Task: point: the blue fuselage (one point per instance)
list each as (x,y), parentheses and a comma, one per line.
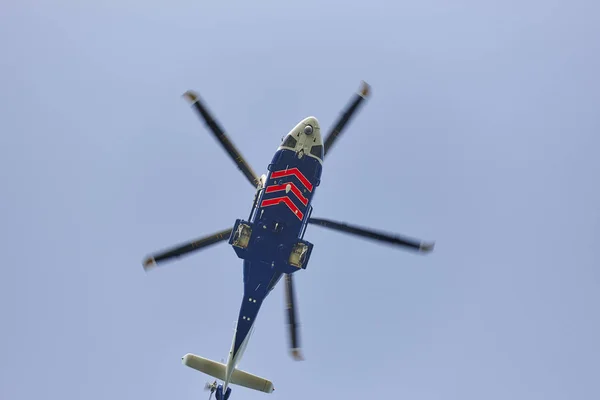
(277,223)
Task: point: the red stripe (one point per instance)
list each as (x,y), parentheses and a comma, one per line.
(297,173)
(295,190)
(287,201)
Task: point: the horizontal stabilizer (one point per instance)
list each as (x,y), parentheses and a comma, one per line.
(218,370)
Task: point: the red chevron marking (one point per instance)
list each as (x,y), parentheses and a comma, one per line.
(288,202)
(293,171)
(295,190)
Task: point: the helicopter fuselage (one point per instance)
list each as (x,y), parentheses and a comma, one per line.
(271,241)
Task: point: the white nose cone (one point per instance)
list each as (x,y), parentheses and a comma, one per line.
(288,187)
(305,139)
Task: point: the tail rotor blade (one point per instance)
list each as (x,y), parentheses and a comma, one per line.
(406,242)
(218,132)
(292,318)
(346,116)
(186,248)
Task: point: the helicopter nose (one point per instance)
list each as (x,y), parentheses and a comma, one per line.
(304,136)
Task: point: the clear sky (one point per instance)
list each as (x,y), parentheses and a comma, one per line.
(482,134)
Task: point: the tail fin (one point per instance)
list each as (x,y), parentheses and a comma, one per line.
(217,370)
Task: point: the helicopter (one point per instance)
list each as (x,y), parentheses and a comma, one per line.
(271,240)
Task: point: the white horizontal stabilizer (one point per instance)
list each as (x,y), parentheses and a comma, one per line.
(217,370)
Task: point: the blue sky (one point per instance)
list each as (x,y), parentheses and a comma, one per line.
(481,134)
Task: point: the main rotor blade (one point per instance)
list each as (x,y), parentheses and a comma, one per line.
(186,248)
(220,135)
(411,243)
(346,116)
(291,317)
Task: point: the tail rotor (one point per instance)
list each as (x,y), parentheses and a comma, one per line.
(212,387)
